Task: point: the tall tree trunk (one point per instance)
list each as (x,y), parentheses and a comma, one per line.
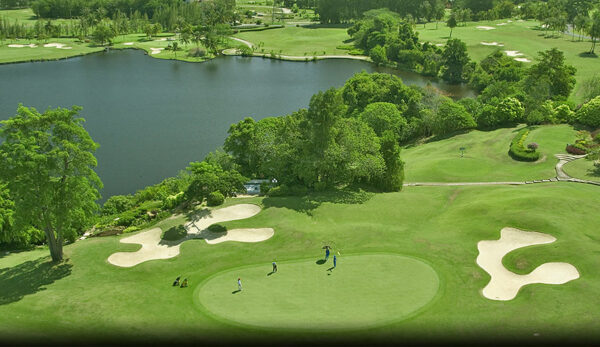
(55,246)
(451,33)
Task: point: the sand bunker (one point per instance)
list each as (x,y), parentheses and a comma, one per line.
(501,24)
(163,39)
(525,60)
(57,45)
(31,45)
(504,284)
(156,50)
(491,44)
(128,43)
(513,53)
(439,44)
(153,247)
(482,27)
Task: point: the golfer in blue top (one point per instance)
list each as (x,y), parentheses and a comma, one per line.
(334,260)
(326,253)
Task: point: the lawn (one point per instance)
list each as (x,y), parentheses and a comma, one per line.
(299,41)
(583,169)
(516,36)
(86,297)
(486,156)
(10,55)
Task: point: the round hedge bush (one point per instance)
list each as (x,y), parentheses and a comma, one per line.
(589,114)
(215,199)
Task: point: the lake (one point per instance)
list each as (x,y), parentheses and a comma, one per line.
(152,117)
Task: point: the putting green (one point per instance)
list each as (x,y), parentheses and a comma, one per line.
(363,291)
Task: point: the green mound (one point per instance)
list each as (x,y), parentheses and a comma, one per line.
(363,291)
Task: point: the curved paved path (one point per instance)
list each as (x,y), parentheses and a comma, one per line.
(561,176)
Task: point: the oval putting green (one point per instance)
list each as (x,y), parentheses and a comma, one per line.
(363,291)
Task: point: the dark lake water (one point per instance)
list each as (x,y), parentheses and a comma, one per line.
(152,117)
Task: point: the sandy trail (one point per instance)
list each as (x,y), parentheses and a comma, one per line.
(153,247)
(504,285)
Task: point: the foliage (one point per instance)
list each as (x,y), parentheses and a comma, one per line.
(455,61)
(382,116)
(6,213)
(117,204)
(215,199)
(103,33)
(551,71)
(589,113)
(175,233)
(518,151)
(47,162)
(452,117)
(207,178)
(378,55)
(507,112)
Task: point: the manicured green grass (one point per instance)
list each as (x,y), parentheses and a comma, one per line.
(583,169)
(486,156)
(311,294)
(440,225)
(27,17)
(298,41)
(11,55)
(516,36)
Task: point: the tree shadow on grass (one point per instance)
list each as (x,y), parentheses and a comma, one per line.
(587,55)
(30,278)
(310,202)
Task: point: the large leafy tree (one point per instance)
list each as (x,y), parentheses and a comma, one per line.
(47,160)
(551,70)
(6,212)
(208,178)
(452,116)
(455,61)
(593,29)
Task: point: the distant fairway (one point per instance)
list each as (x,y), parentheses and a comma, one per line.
(307,295)
(486,156)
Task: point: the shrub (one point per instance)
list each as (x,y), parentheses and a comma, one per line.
(532,146)
(217,228)
(215,199)
(285,190)
(117,204)
(173,201)
(197,52)
(571,149)
(518,151)
(246,51)
(589,113)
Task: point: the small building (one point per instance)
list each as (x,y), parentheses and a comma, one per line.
(253,186)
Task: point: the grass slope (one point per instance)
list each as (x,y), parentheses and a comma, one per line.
(299,41)
(486,157)
(583,169)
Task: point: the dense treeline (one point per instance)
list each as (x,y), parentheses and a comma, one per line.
(12,4)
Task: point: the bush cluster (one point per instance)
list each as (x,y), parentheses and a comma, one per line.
(518,151)
(215,199)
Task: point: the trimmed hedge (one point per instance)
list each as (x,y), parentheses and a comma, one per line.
(518,151)
(572,149)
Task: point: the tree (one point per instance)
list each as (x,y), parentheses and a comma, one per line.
(589,113)
(175,47)
(552,70)
(451,117)
(208,178)
(393,176)
(47,161)
(103,33)
(594,29)
(378,55)
(451,23)
(6,212)
(580,24)
(382,116)
(239,144)
(455,59)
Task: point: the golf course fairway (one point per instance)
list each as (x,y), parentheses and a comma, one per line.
(310,294)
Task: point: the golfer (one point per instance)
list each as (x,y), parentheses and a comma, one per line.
(239,284)
(326,253)
(274,267)
(334,260)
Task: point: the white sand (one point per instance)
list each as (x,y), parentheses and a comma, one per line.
(513,53)
(525,60)
(504,285)
(501,24)
(153,247)
(482,27)
(439,44)
(156,50)
(57,45)
(128,43)
(31,45)
(509,21)
(163,39)
(491,43)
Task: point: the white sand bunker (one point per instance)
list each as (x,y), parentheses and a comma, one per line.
(128,43)
(504,284)
(483,27)
(439,44)
(156,50)
(513,53)
(57,45)
(501,24)
(525,60)
(491,44)
(153,247)
(31,45)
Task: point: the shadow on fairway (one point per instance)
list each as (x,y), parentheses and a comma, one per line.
(331,268)
(320,261)
(270,273)
(236,291)
(29,278)
(311,201)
